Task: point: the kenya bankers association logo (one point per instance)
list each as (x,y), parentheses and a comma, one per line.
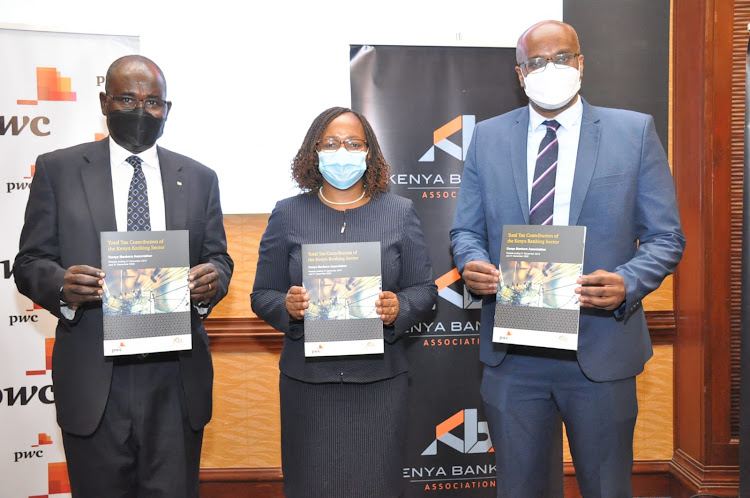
(471,442)
(464,124)
(465,301)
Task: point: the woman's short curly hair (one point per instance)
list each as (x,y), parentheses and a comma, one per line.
(305,164)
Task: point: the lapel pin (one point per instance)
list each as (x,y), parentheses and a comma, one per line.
(179,183)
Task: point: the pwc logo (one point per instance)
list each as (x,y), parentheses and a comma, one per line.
(465,124)
(57,472)
(50,87)
(58,481)
(32,316)
(465,301)
(36,450)
(24,184)
(30,394)
(472,430)
(49,345)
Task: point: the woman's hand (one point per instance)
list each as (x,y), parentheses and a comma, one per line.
(387,307)
(297,302)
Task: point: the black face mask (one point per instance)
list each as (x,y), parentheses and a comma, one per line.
(135,130)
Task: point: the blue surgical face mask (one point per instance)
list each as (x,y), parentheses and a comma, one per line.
(342,168)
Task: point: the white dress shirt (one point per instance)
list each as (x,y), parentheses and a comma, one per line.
(568,135)
(122,174)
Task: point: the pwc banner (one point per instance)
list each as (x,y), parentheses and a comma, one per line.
(49,99)
(423,103)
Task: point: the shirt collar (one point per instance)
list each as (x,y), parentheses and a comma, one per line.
(118,154)
(567,119)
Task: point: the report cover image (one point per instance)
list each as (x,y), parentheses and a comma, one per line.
(343,282)
(146,298)
(536,303)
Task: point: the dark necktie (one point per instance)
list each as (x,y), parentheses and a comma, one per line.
(138,213)
(543,189)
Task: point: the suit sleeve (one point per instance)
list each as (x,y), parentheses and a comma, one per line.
(469,240)
(418,293)
(272,281)
(215,243)
(37,269)
(657,223)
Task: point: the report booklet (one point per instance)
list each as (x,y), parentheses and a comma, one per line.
(536,300)
(146,299)
(343,282)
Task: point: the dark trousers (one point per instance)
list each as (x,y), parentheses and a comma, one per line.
(524,398)
(144,445)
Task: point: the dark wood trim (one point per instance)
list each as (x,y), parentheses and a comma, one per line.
(691,476)
(243,334)
(254,335)
(237,483)
(650,478)
(252,474)
(661,326)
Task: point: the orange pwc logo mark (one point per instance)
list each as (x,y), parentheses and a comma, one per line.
(49,345)
(57,476)
(44,439)
(51,87)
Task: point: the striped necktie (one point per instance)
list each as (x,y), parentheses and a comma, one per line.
(543,188)
(139,217)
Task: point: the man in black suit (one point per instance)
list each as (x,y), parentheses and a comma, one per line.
(132,426)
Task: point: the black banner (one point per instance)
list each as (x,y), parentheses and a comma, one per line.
(423,103)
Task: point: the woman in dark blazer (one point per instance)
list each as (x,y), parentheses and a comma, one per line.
(343,418)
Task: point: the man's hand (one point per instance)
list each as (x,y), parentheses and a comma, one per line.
(601,289)
(480,277)
(82,284)
(203,283)
(297,302)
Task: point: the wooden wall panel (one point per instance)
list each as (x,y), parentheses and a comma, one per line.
(244,232)
(707,282)
(245,428)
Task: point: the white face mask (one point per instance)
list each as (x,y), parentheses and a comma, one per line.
(553,87)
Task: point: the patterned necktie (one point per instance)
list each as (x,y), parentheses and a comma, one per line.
(543,188)
(138,213)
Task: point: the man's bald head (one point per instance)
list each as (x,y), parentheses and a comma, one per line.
(546,34)
(134,63)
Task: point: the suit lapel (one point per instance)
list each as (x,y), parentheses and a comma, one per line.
(175,199)
(518,159)
(588,149)
(96,175)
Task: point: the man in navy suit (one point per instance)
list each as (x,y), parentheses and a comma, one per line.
(608,172)
(132,426)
